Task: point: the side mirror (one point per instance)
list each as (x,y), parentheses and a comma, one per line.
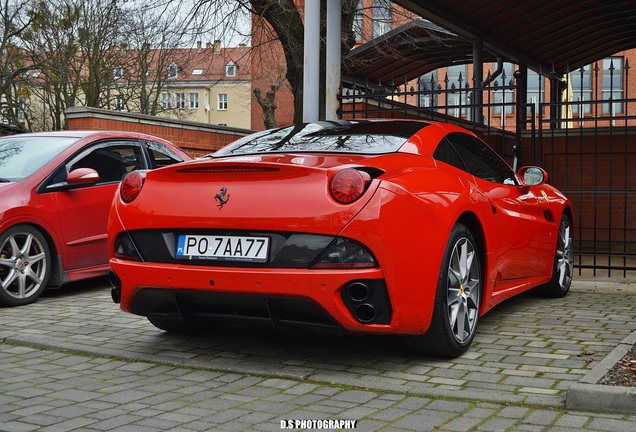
(532,176)
(82,177)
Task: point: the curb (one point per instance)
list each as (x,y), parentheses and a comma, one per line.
(590,396)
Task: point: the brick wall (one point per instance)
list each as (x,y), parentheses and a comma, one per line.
(196,139)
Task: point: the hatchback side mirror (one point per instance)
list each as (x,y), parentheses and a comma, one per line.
(82,176)
(532,176)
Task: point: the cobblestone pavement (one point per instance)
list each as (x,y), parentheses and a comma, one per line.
(74,361)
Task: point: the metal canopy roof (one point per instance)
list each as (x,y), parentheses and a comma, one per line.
(548,35)
(406,53)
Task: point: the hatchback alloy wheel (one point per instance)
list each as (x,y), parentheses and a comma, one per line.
(25,264)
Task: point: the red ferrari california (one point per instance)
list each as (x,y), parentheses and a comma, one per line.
(56,189)
(373,227)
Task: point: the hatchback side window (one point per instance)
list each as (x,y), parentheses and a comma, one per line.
(111,161)
(160,155)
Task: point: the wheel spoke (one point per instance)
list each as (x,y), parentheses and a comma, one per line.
(7,262)
(27,245)
(11,277)
(463,260)
(460,325)
(22,292)
(472,288)
(30,274)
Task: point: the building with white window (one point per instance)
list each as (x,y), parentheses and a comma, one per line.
(209,84)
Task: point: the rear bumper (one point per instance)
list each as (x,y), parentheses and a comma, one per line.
(407,242)
(343,300)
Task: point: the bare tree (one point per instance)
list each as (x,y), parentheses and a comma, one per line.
(276,22)
(14,20)
(153,54)
(55,78)
(72,56)
(98,37)
(268,103)
(96,53)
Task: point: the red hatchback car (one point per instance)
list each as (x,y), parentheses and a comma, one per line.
(374,227)
(56,189)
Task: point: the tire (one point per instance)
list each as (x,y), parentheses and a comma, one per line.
(25,265)
(563,268)
(457,299)
(174,325)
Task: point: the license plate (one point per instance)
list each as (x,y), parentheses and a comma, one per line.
(223,248)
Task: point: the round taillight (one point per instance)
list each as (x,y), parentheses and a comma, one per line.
(131,186)
(348,185)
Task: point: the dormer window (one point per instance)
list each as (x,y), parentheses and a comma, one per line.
(173,70)
(230,69)
(118,73)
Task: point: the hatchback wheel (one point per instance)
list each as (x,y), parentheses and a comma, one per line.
(457,299)
(25,265)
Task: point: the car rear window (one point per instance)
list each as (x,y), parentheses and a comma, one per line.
(365,137)
(21,156)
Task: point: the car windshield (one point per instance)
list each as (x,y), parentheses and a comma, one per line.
(21,156)
(364,137)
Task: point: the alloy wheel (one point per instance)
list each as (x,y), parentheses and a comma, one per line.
(463,290)
(565,255)
(23,265)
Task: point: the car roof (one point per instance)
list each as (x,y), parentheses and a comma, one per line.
(84,134)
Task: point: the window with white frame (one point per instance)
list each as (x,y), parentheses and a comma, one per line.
(535,91)
(504,97)
(180,100)
(164,100)
(358,22)
(22,108)
(581,81)
(382,17)
(427,94)
(194,100)
(222,101)
(230,69)
(456,98)
(613,85)
(119,103)
(118,73)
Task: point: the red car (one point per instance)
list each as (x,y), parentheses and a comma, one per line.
(373,227)
(56,189)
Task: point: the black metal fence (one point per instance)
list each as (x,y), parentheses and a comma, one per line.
(580,127)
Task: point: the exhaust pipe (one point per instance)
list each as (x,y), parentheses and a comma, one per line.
(115,292)
(367,301)
(358,292)
(365,312)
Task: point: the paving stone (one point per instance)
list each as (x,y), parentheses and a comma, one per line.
(119,373)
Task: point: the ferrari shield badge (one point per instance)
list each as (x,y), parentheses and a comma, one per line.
(222,198)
